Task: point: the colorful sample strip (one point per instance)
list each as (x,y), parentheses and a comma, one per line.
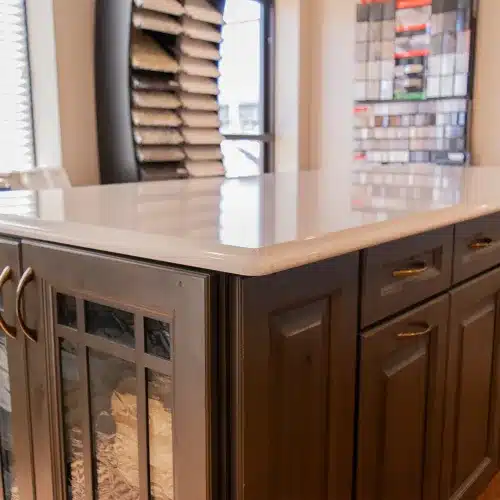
(416,51)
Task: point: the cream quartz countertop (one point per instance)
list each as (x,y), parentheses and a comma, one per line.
(256,225)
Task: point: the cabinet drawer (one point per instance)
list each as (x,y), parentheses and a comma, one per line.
(477,246)
(401,273)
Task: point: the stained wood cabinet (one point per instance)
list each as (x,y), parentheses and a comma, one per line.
(126,379)
(402,381)
(294,382)
(472,426)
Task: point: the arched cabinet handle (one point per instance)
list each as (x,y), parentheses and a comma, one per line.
(481,243)
(6,276)
(414,269)
(419,332)
(27,277)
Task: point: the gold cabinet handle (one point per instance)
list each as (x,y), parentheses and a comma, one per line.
(27,277)
(6,276)
(424,330)
(481,243)
(413,270)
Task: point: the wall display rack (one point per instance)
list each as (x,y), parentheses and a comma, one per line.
(156,65)
(413,80)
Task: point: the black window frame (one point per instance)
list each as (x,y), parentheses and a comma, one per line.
(267,99)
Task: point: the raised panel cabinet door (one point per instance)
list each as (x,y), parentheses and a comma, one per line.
(16,465)
(127,412)
(402,376)
(294,362)
(472,426)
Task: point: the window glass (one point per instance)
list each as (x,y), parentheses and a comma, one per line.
(224,116)
(248,115)
(16,135)
(241,68)
(242,157)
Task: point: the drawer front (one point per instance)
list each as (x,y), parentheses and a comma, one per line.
(477,246)
(401,273)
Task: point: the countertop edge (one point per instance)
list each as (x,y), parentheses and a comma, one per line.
(356,239)
(232,259)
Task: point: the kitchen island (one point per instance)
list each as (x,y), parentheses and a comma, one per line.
(284,337)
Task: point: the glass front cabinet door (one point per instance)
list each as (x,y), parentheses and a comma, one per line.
(16,464)
(127,407)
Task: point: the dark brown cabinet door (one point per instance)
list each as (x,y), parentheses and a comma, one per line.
(402,376)
(294,382)
(472,427)
(16,465)
(127,412)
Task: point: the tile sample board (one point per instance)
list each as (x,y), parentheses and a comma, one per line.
(413,62)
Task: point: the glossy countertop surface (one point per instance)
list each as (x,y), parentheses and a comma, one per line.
(256,225)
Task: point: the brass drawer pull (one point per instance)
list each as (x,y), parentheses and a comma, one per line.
(481,243)
(414,270)
(27,277)
(426,329)
(6,276)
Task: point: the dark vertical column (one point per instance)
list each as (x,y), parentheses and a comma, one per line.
(112,79)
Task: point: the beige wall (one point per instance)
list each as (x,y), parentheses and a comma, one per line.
(74,33)
(287,76)
(314,75)
(333,84)
(295,41)
(61,34)
(485,130)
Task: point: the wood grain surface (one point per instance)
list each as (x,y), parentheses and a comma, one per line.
(493,491)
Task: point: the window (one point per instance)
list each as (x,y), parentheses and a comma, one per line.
(16,123)
(16,126)
(249,118)
(224,116)
(246,87)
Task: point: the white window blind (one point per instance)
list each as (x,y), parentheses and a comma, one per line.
(16,130)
